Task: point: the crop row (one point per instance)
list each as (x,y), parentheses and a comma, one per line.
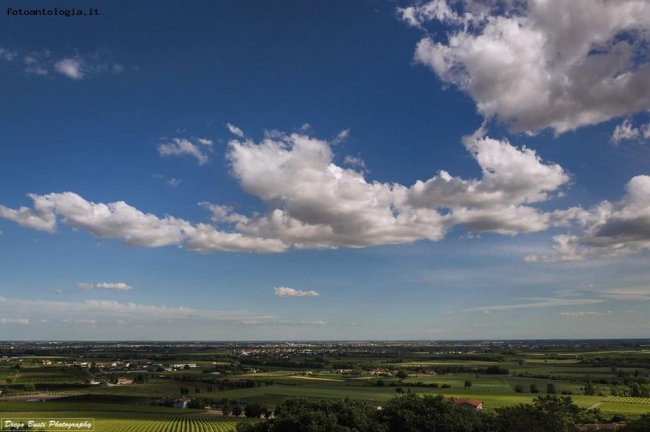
(158,423)
(623,399)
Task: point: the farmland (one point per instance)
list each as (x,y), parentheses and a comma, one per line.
(137,385)
(130,422)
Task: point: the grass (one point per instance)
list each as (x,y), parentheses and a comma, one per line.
(109,422)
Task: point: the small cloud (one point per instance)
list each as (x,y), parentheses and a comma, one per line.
(7,55)
(584,314)
(342,136)
(354,161)
(174,182)
(625,131)
(235,130)
(119,286)
(182,146)
(14,321)
(290,292)
(79,321)
(205,141)
(70,67)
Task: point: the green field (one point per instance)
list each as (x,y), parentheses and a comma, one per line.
(129,422)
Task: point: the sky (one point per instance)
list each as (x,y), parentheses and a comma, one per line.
(324,170)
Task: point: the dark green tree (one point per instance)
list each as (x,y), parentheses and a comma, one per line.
(468,384)
(412,413)
(550,388)
(253,410)
(642,424)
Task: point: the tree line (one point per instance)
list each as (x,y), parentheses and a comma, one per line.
(413,413)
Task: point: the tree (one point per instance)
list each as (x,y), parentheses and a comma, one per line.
(559,414)
(225,409)
(296,414)
(381,383)
(237,410)
(519,388)
(402,373)
(468,384)
(589,388)
(253,410)
(412,413)
(550,388)
(196,403)
(533,388)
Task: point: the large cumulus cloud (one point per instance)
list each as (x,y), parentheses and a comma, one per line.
(536,64)
(311,202)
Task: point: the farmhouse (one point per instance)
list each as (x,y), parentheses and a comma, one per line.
(122,381)
(468,404)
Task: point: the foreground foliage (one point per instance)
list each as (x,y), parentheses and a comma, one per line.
(412,413)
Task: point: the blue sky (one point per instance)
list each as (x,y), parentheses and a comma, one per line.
(254,170)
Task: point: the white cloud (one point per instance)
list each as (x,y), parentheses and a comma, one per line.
(174,182)
(182,146)
(7,55)
(541,64)
(70,67)
(290,292)
(135,228)
(340,137)
(625,131)
(119,286)
(292,323)
(79,321)
(584,314)
(14,321)
(75,67)
(354,161)
(40,218)
(512,177)
(235,130)
(609,229)
(313,203)
(107,311)
(536,303)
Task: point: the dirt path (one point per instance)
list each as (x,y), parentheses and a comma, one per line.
(594,406)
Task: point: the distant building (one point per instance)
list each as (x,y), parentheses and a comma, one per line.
(468,404)
(181,403)
(121,381)
(182,365)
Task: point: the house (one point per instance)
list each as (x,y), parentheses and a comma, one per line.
(181,403)
(121,381)
(468,404)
